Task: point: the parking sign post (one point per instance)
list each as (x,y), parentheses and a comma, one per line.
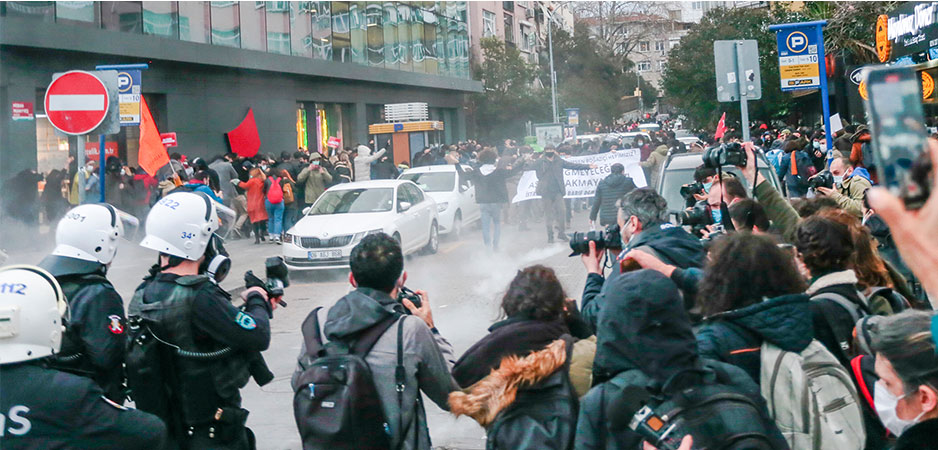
(129,93)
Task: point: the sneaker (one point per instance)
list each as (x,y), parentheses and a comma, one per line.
(563,237)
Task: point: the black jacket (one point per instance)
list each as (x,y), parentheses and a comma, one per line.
(610,190)
(550,175)
(490,181)
(919,436)
(736,336)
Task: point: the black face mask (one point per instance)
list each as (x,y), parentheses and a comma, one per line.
(550,155)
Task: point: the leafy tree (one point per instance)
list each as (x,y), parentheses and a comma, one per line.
(689,81)
(509,99)
(849,26)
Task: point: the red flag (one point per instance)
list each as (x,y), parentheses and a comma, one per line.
(721,127)
(244,140)
(152,154)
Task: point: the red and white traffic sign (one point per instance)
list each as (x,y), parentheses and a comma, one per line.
(76,102)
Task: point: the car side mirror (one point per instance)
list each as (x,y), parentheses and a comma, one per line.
(403,206)
(306,210)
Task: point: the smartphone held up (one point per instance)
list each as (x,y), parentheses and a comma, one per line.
(897,125)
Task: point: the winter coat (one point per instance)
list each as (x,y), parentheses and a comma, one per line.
(254,187)
(363,162)
(826,312)
(849,195)
(343,173)
(919,436)
(226,173)
(779,210)
(314,183)
(550,175)
(652,165)
(608,192)
(490,181)
(428,359)
(736,336)
(199,187)
(797,184)
(644,337)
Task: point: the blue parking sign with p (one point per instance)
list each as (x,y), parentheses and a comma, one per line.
(128,93)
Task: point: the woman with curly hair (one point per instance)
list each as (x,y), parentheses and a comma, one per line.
(529,358)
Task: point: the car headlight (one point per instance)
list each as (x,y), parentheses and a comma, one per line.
(359,236)
(289,238)
(440,207)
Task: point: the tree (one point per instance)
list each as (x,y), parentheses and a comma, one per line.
(689,81)
(620,26)
(849,26)
(509,99)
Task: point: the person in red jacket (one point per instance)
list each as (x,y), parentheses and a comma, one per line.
(256,208)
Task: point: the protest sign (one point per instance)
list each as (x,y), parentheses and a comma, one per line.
(582,183)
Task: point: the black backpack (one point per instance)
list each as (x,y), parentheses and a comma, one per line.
(896,301)
(336,404)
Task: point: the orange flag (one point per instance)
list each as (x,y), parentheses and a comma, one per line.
(152,154)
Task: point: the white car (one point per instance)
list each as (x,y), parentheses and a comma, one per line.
(454,194)
(346,213)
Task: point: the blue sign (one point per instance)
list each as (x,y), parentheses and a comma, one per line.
(128,93)
(799,57)
(573,116)
(398,127)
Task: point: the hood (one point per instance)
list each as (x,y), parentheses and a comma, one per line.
(485,399)
(674,245)
(643,325)
(832,279)
(338,224)
(616,180)
(662,150)
(863,173)
(357,311)
(784,321)
(363,150)
(60,266)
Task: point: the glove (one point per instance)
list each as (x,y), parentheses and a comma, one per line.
(235,181)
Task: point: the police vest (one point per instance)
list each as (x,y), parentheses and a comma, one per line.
(200,384)
(72,356)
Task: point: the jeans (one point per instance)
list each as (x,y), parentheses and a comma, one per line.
(491,212)
(290,217)
(274,217)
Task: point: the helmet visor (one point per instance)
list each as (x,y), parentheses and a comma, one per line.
(227,217)
(128,224)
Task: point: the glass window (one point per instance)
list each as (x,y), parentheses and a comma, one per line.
(301,23)
(356,13)
(77,13)
(417,53)
(404,19)
(509,29)
(488,23)
(442,52)
(429,42)
(278,27)
(464,47)
(508,6)
(119,16)
(322,30)
(36,10)
(390,19)
(341,42)
(432,181)
(161,19)
(195,23)
(253,26)
(659,45)
(644,46)
(661,65)
(374,29)
(350,201)
(226,24)
(526,35)
(644,66)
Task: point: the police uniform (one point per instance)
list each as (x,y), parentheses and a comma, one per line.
(44,408)
(195,315)
(93,343)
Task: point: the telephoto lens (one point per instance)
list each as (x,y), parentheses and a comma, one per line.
(823,179)
(698,215)
(608,239)
(688,190)
(730,154)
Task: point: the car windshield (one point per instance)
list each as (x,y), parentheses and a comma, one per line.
(347,201)
(674,179)
(432,181)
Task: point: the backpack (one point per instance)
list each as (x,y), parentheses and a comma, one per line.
(812,399)
(145,364)
(843,331)
(775,158)
(551,406)
(288,197)
(896,301)
(275,191)
(336,404)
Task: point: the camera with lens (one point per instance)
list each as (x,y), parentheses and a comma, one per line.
(688,190)
(696,216)
(278,277)
(824,179)
(404,292)
(729,154)
(580,242)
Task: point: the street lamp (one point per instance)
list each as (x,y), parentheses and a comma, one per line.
(550,49)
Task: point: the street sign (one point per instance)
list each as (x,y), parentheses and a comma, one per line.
(23,111)
(798,58)
(169,139)
(573,116)
(732,67)
(128,88)
(76,102)
(334,142)
(92,150)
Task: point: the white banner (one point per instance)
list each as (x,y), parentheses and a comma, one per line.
(582,183)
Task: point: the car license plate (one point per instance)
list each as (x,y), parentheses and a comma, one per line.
(325,254)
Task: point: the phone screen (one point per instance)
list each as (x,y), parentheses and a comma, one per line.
(894,108)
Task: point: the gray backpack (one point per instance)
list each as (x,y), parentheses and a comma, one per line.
(812,398)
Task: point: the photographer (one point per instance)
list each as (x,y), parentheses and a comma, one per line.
(850,186)
(377,274)
(643,224)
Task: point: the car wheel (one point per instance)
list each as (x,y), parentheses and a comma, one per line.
(434,243)
(457,225)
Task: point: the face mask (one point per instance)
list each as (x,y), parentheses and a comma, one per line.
(838,179)
(885,404)
(817,145)
(263,167)
(707,187)
(717,215)
(316,163)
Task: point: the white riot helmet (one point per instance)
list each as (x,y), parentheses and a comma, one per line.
(181,224)
(31,311)
(92,232)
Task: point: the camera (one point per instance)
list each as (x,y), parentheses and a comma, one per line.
(278,277)
(688,190)
(404,292)
(823,179)
(696,216)
(729,154)
(580,242)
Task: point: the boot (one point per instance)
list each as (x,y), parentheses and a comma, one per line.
(257,238)
(563,236)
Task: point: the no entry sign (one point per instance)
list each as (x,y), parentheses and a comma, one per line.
(76,102)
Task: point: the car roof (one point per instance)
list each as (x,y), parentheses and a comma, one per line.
(436,168)
(694,160)
(369,184)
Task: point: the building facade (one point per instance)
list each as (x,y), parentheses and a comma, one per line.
(310,71)
(520,24)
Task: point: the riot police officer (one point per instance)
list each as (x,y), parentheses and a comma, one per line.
(41,407)
(210,343)
(93,344)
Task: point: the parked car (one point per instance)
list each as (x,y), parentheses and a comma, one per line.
(678,170)
(346,213)
(454,194)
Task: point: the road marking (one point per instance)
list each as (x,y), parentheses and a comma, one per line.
(451,248)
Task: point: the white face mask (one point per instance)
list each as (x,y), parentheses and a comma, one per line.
(885,403)
(838,179)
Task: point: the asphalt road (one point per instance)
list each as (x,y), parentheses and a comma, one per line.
(464,282)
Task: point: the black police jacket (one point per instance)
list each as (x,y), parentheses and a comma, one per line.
(50,409)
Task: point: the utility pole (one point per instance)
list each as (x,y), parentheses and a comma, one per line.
(553,75)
